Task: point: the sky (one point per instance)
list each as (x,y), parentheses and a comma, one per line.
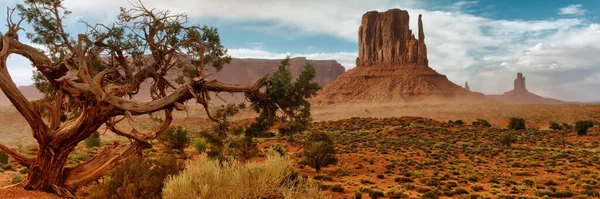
(554,43)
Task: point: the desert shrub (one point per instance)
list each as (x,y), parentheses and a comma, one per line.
(403,179)
(137,178)
(376,194)
(564,193)
(246,148)
(174,139)
(516,123)
(357,195)
(337,188)
(93,140)
(459,122)
(279,150)
(430,195)
(582,126)
(477,188)
(590,192)
(396,194)
(200,145)
(505,138)
(319,150)
(461,191)
(481,122)
(323,177)
(554,126)
(17,178)
(208,178)
(3,157)
(550,183)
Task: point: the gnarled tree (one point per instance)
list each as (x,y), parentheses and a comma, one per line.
(92,77)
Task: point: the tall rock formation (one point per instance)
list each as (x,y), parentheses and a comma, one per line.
(520,95)
(520,83)
(386,39)
(239,71)
(392,66)
(467,86)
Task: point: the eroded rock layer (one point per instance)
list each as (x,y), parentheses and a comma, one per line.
(384,38)
(392,66)
(239,71)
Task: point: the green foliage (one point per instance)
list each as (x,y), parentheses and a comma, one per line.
(481,122)
(516,123)
(200,145)
(555,126)
(505,138)
(219,135)
(93,140)
(138,178)
(289,97)
(582,126)
(246,148)
(174,139)
(319,150)
(279,150)
(3,157)
(17,178)
(357,195)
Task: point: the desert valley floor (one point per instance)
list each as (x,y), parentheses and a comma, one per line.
(411,150)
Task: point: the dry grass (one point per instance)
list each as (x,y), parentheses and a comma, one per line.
(206,178)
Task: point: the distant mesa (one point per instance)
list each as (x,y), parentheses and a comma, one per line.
(392,66)
(239,71)
(520,95)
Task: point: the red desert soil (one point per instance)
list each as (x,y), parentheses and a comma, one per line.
(17,193)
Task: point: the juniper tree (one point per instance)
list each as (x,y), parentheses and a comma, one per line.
(89,79)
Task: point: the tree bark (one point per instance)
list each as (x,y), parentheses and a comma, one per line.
(47,172)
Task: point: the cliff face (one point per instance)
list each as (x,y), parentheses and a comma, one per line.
(386,39)
(246,71)
(392,66)
(239,71)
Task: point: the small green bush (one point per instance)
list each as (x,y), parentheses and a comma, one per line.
(138,178)
(582,126)
(17,178)
(357,195)
(516,123)
(174,139)
(337,188)
(200,145)
(376,194)
(319,150)
(477,188)
(481,122)
(3,157)
(93,140)
(505,138)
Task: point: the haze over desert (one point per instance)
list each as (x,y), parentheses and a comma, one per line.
(299,99)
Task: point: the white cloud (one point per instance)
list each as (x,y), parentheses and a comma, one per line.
(558,55)
(572,10)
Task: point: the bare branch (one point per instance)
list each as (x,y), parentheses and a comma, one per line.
(21,159)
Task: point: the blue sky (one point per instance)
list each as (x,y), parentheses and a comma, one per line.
(555,43)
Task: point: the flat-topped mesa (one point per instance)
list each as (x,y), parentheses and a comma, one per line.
(520,83)
(384,38)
